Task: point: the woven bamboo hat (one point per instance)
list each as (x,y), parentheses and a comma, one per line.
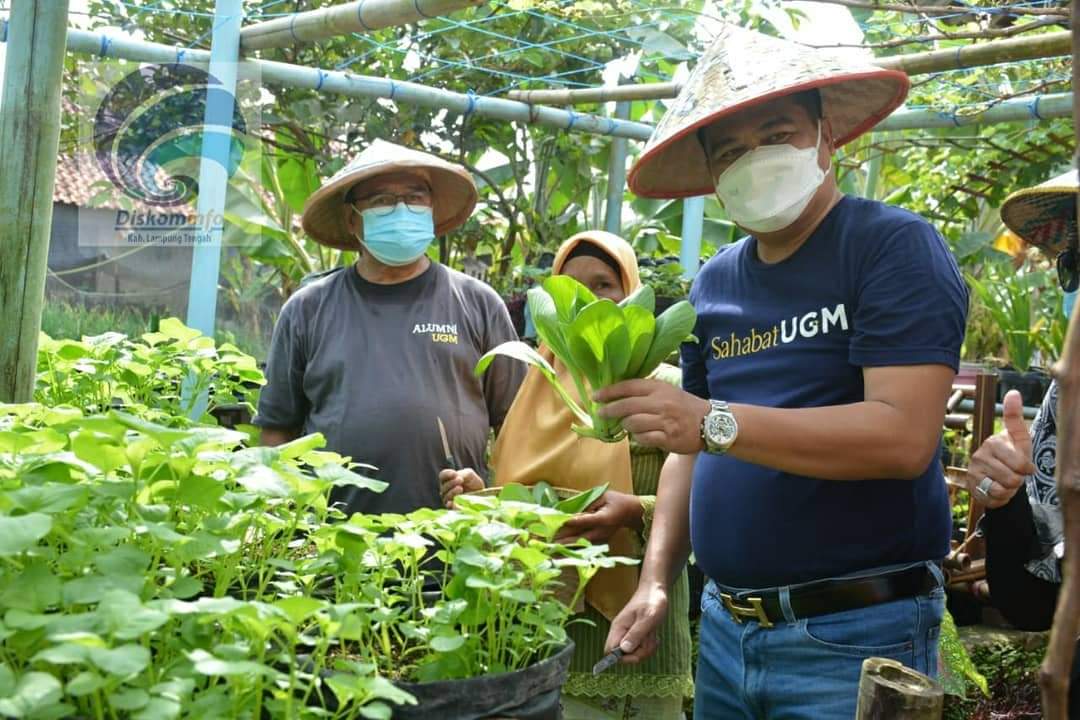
(453,192)
(1045,215)
(744,69)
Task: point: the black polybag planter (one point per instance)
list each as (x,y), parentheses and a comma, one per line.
(531,693)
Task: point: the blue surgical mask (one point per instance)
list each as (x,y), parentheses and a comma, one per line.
(1067,303)
(399,237)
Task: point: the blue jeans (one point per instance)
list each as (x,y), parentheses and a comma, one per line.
(807,668)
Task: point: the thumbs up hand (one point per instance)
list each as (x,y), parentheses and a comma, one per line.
(1004,459)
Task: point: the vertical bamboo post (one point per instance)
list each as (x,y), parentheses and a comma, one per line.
(29,138)
(616,175)
(1054,677)
(873,173)
(890,691)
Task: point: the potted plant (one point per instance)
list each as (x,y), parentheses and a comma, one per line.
(491,641)
(665,277)
(1011,298)
(153,567)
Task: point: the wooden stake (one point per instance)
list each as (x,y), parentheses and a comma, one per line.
(1054,676)
(890,691)
(354,17)
(29,137)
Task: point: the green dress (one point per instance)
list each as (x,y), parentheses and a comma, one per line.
(667,674)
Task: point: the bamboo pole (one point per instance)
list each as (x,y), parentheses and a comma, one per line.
(29,139)
(966,56)
(1054,675)
(942,9)
(362,86)
(991,53)
(334,21)
(612,93)
(890,691)
(1041,107)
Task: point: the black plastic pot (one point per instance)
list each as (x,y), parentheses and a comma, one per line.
(532,693)
(663,303)
(1032,385)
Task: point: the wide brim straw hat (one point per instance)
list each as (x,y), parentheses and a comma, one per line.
(1045,215)
(741,70)
(453,192)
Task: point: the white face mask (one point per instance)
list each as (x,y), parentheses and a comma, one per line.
(768,188)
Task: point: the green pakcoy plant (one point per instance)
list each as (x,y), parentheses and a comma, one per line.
(599,341)
(543,494)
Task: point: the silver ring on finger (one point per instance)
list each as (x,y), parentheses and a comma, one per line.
(985,485)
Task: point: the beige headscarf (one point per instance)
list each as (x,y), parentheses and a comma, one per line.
(536,442)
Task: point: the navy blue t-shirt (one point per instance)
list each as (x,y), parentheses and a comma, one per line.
(874,286)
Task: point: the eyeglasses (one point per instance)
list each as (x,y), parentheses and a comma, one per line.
(1068,269)
(418,201)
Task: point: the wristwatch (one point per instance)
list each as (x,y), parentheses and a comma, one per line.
(719,428)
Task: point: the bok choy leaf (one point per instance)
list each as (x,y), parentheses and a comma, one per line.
(600,342)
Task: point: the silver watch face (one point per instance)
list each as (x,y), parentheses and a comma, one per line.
(720,428)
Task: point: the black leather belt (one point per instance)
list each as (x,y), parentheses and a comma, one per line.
(824,597)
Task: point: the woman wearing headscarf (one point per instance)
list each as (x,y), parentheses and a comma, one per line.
(1013,472)
(536,444)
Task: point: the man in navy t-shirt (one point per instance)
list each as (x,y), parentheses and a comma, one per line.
(807,436)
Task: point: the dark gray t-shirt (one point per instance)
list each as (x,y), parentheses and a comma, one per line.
(372,367)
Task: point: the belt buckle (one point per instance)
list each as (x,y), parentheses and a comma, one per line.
(739,613)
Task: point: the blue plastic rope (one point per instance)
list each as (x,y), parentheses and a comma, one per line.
(180,52)
(322,77)
(393,89)
(292,28)
(3,30)
(1033,108)
(105,43)
(573,119)
(471,107)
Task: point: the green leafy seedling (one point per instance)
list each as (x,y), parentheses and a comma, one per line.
(600,342)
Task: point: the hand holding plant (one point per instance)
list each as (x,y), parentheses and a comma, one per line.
(600,520)
(601,343)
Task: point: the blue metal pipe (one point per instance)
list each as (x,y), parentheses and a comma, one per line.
(693,221)
(213,171)
(616,175)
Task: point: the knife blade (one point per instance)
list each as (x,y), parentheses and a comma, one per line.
(450,460)
(607,661)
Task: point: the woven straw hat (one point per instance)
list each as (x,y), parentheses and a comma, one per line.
(743,69)
(453,192)
(1045,215)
